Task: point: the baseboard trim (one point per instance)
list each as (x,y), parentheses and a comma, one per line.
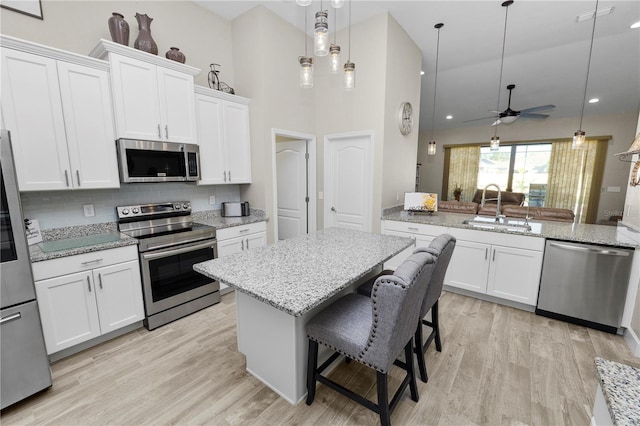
(632,341)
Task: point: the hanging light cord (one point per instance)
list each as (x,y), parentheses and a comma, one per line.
(435,84)
(349,55)
(335,26)
(304,11)
(504,41)
(586,82)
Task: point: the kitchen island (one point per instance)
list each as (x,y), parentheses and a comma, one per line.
(283,285)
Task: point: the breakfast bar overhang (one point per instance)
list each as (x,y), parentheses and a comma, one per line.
(283,285)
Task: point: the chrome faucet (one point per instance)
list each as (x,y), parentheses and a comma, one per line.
(484,193)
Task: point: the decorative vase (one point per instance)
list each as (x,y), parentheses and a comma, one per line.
(119,29)
(144,41)
(457,197)
(175,55)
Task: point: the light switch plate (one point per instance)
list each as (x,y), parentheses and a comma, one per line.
(89,211)
(212,199)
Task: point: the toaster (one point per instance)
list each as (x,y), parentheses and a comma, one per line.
(236,208)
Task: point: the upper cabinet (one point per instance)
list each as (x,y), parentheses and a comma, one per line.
(153,96)
(223,136)
(57,106)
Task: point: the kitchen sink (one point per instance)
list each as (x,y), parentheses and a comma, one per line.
(490,223)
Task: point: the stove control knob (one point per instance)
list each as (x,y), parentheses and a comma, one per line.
(135,210)
(185,206)
(177,206)
(125,211)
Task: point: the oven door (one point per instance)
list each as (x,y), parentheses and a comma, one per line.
(168,278)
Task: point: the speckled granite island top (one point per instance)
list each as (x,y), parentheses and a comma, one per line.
(577,232)
(70,241)
(298,274)
(213,218)
(621,388)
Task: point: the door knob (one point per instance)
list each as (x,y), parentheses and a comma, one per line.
(333,209)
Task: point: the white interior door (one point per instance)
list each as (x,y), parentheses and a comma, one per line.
(293,201)
(348,175)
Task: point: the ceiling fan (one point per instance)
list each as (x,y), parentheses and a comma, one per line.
(509,115)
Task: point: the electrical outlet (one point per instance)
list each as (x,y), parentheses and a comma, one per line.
(212,199)
(89,211)
(320,195)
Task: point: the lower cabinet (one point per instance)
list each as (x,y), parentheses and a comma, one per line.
(240,238)
(79,306)
(423,234)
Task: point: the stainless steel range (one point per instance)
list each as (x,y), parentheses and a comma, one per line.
(169,245)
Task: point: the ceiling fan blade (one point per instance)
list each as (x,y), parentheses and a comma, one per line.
(538,108)
(478,119)
(495,123)
(529,115)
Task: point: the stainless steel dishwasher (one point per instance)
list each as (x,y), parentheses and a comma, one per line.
(585,284)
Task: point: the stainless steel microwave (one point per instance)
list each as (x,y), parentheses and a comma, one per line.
(148,161)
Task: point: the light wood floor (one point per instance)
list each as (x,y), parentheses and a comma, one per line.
(498,366)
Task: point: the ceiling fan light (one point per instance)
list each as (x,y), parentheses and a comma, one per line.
(336,4)
(303,2)
(579,138)
(494,144)
(431,148)
(508,119)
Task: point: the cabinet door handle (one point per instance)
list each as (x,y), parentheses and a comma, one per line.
(225,175)
(100,280)
(247,244)
(159,134)
(89,262)
(242,244)
(13,317)
(412,229)
(166,130)
(486,253)
(78,176)
(244,230)
(229,175)
(494,255)
(66,177)
(89,283)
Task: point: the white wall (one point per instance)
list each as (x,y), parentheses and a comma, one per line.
(76,26)
(632,217)
(621,127)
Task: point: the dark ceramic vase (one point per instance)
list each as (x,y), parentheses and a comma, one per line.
(119,29)
(144,41)
(175,55)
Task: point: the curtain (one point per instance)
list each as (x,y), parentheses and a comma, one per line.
(464,163)
(571,175)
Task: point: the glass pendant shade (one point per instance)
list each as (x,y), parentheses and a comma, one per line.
(494,145)
(306,72)
(303,2)
(578,140)
(337,4)
(334,56)
(349,76)
(321,34)
(431,148)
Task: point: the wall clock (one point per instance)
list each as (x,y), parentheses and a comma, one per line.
(405,118)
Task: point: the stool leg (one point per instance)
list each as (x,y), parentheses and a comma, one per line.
(413,385)
(383,399)
(312,365)
(436,326)
(420,354)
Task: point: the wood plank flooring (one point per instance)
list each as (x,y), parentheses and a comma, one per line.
(498,366)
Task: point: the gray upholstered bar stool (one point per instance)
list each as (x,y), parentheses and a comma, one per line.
(442,248)
(373,331)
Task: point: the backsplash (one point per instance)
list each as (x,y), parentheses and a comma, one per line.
(55,209)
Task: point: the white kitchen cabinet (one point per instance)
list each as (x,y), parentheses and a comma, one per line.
(153,96)
(58,109)
(85,296)
(423,234)
(239,238)
(223,136)
(514,274)
(469,266)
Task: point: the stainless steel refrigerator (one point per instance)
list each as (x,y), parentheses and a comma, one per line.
(24,365)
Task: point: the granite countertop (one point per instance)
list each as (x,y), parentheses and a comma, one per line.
(298,274)
(213,218)
(621,388)
(576,232)
(70,241)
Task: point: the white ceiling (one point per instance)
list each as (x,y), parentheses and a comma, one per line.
(546,52)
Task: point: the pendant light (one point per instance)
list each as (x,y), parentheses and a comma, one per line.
(349,67)
(334,49)
(306,63)
(431,148)
(321,33)
(337,4)
(494,144)
(579,136)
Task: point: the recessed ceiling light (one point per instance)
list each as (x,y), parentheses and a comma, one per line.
(594,100)
(449,117)
(635,25)
(421,72)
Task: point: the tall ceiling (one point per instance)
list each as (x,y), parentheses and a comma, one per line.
(546,53)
